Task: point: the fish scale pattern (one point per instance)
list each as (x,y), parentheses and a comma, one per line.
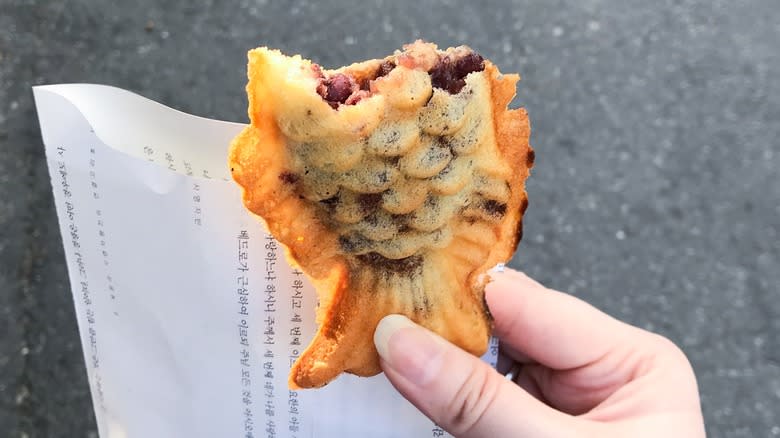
(399,190)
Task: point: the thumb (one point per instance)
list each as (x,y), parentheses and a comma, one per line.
(458,391)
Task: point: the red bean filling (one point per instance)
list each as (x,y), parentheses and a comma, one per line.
(450,74)
(338,88)
(342,89)
(384,69)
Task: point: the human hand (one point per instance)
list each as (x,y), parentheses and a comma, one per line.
(579,372)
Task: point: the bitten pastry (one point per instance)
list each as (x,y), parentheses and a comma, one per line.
(394,184)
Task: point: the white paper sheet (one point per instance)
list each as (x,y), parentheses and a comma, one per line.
(171,276)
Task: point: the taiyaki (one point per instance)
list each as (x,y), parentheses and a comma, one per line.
(394,184)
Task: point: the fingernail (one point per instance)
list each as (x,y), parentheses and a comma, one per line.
(503,281)
(504,275)
(492,274)
(409,349)
(499,277)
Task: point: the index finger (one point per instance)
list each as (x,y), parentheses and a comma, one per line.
(552,328)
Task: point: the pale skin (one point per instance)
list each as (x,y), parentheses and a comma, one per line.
(577,372)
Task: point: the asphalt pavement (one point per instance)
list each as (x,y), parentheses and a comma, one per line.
(655,196)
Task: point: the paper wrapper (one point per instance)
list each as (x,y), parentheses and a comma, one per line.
(189,315)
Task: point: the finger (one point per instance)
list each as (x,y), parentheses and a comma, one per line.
(504,363)
(530,384)
(552,328)
(509,357)
(458,391)
(513,353)
(572,396)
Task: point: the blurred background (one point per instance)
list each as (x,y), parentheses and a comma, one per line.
(655,196)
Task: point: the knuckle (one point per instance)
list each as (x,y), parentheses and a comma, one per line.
(474,397)
(670,350)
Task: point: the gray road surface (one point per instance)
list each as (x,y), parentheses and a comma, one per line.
(656,194)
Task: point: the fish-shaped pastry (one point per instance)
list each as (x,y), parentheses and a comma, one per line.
(395,184)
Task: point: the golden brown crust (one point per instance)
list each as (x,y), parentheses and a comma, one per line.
(396,201)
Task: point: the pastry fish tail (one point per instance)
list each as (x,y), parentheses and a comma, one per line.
(419,286)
